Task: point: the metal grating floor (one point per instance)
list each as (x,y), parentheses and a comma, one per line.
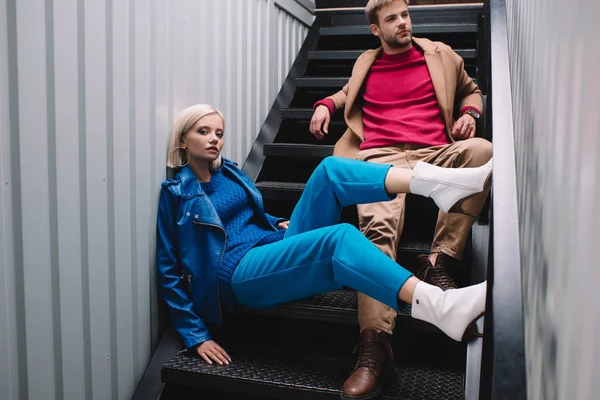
(286,376)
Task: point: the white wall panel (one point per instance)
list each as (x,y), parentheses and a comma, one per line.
(556,87)
(88,92)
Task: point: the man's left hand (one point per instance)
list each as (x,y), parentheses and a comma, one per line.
(464,128)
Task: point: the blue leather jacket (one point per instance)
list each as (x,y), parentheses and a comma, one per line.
(189,250)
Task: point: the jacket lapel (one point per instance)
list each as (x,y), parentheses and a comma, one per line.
(433,59)
(191,191)
(353,110)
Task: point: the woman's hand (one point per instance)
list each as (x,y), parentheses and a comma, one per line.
(210,351)
(284,224)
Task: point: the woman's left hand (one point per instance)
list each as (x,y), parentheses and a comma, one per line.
(284,224)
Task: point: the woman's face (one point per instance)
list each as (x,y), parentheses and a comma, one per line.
(205,140)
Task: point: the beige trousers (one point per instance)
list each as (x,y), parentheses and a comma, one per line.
(382,223)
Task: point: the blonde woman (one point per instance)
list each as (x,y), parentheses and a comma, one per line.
(213,230)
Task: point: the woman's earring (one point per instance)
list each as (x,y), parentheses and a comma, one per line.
(188,156)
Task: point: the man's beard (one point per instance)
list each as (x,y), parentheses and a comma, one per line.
(395,43)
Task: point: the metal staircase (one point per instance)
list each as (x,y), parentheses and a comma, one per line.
(304,349)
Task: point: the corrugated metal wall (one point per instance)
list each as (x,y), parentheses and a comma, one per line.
(555,58)
(88,91)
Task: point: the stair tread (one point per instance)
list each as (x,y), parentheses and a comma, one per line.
(282,186)
(300,113)
(415,10)
(445,27)
(354,54)
(338,306)
(298,150)
(293,190)
(283,374)
(322,81)
(327,81)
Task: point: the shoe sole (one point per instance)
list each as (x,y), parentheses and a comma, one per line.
(387,381)
(370,396)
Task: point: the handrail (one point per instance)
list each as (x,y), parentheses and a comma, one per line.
(505,347)
(253,164)
(151,386)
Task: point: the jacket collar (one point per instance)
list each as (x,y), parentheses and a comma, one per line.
(190,186)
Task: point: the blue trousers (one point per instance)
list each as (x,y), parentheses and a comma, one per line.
(318,254)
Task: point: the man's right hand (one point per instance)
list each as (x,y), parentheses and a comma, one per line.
(319,124)
(210,351)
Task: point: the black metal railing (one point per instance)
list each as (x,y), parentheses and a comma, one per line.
(503,374)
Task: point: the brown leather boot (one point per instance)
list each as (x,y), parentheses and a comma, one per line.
(435,275)
(374,369)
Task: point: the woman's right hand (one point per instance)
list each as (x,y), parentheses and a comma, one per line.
(210,351)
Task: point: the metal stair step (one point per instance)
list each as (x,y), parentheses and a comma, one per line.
(293,191)
(354,54)
(328,82)
(340,306)
(280,190)
(297,113)
(307,113)
(417,29)
(453,12)
(267,371)
(297,150)
(337,82)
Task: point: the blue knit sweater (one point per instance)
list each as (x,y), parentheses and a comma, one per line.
(242,228)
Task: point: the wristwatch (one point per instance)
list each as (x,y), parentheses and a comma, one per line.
(473,113)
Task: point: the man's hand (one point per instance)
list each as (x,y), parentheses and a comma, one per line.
(284,224)
(210,351)
(464,128)
(319,124)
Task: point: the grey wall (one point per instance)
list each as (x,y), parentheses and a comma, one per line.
(88,90)
(556,93)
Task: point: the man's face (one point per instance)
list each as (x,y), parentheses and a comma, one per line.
(395,27)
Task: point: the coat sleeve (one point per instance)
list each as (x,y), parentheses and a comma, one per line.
(171,287)
(467,91)
(339,98)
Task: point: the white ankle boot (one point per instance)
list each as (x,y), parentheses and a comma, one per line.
(452,311)
(446,186)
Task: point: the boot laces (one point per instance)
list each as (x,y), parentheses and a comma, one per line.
(439,275)
(367,354)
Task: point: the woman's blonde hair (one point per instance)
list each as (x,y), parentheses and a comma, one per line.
(373,7)
(185,121)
